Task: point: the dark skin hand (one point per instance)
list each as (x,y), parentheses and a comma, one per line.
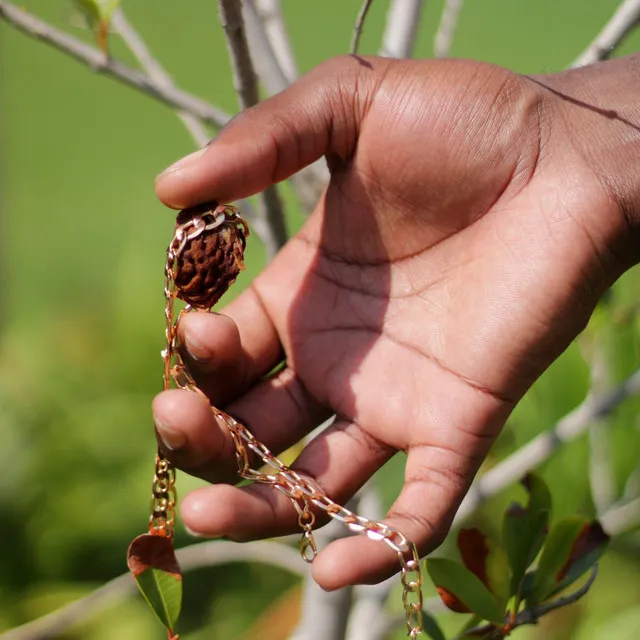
(473,219)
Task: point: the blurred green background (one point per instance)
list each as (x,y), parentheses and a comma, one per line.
(81,314)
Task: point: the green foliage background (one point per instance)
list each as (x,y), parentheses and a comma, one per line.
(82,242)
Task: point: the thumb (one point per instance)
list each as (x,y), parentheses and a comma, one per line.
(315,116)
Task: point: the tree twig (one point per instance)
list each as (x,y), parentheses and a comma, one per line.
(156,72)
(543,446)
(276,32)
(268,67)
(401,29)
(533,615)
(357,30)
(624,19)
(96,59)
(621,517)
(447,28)
(246,85)
(205,554)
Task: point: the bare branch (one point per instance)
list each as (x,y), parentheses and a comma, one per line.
(369,620)
(245,80)
(447,29)
(267,64)
(205,554)
(324,614)
(246,84)
(156,72)
(357,30)
(543,446)
(624,19)
(278,37)
(401,29)
(621,517)
(601,477)
(96,59)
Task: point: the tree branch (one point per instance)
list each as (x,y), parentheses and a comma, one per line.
(94,58)
(400,32)
(621,517)
(624,19)
(543,446)
(447,29)
(276,32)
(357,30)
(156,72)
(205,554)
(246,85)
(311,181)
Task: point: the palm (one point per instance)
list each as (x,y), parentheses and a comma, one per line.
(418,303)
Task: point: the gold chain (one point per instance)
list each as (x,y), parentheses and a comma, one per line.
(300,490)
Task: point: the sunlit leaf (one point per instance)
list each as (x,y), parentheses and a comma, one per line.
(109,6)
(152,561)
(458,586)
(91,10)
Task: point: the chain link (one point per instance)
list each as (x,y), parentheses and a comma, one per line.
(300,490)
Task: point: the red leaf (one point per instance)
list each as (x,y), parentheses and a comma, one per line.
(474,550)
(152,551)
(452,602)
(590,538)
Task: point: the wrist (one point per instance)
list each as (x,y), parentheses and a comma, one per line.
(599,108)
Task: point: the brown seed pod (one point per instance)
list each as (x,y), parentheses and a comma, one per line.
(212,256)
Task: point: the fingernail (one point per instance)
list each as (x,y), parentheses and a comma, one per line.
(183,164)
(172,439)
(196,349)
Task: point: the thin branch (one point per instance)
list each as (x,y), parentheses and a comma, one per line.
(276,32)
(268,66)
(246,85)
(543,446)
(533,615)
(601,477)
(205,554)
(274,64)
(624,19)
(156,72)
(621,517)
(357,30)
(369,619)
(447,28)
(324,614)
(401,30)
(96,59)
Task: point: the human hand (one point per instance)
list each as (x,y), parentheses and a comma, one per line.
(468,230)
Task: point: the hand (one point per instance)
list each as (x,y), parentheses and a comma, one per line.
(465,236)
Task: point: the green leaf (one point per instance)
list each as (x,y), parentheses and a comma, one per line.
(431,627)
(524,530)
(523,535)
(455,581)
(487,560)
(91,10)
(539,494)
(152,561)
(555,555)
(97,11)
(586,550)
